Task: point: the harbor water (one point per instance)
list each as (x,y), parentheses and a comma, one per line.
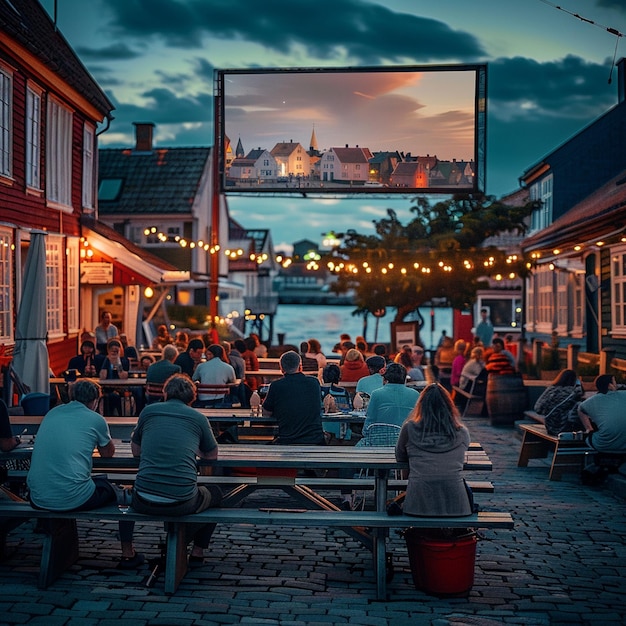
(300,322)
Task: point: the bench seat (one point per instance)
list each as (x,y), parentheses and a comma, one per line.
(60,543)
(533,416)
(567,455)
(367,483)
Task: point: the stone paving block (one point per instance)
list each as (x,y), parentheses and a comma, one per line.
(563,563)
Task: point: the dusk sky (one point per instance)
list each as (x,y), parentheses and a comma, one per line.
(548,73)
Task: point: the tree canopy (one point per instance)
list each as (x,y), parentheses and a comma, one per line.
(440,253)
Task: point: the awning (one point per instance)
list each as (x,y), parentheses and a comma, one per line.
(131,257)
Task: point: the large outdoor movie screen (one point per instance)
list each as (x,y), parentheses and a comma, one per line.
(407,129)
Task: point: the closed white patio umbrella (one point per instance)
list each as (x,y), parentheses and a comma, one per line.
(30,356)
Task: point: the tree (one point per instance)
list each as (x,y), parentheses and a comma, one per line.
(440,253)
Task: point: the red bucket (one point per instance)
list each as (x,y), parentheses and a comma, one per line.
(442,566)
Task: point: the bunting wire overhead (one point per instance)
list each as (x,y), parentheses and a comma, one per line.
(608,29)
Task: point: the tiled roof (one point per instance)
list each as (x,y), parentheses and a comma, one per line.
(243,162)
(284,148)
(406,169)
(161,181)
(255,155)
(381,157)
(27,22)
(353,155)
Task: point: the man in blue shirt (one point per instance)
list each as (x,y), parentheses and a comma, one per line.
(368,384)
(392,403)
(60,475)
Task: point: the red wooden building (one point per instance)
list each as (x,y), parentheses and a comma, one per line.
(50,109)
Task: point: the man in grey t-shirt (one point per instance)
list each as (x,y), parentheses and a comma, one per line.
(168,438)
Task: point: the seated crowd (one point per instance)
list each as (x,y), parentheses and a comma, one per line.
(423,425)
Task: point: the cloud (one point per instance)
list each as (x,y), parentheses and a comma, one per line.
(617,5)
(106,77)
(114,52)
(570,88)
(408,111)
(172,79)
(204,69)
(366,32)
(164,106)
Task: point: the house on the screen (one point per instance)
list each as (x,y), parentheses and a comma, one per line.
(292,160)
(452,174)
(411,174)
(345,165)
(381,167)
(257,166)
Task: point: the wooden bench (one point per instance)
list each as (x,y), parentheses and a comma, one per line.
(568,455)
(535,417)
(60,542)
(360,484)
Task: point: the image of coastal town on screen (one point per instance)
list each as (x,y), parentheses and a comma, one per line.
(375,130)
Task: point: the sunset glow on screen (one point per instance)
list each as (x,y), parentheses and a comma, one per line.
(370,130)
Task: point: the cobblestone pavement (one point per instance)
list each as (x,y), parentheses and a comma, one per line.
(564,563)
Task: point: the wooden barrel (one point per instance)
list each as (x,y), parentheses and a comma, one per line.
(506,398)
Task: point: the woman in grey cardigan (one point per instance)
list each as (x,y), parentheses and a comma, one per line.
(433,442)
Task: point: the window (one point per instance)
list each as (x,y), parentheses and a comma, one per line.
(88,166)
(6,282)
(618,282)
(59,154)
(109,189)
(543,293)
(562,303)
(72,284)
(542,190)
(6,113)
(54,284)
(33,138)
(578,303)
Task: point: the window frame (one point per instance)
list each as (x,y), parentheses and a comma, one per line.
(59,132)
(542,191)
(33,138)
(618,286)
(72,252)
(55,248)
(542,299)
(6,121)
(89,164)
(7,245)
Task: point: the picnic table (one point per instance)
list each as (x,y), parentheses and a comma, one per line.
(371,529)
(378,460)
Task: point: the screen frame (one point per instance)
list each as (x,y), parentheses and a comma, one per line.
(480,133)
